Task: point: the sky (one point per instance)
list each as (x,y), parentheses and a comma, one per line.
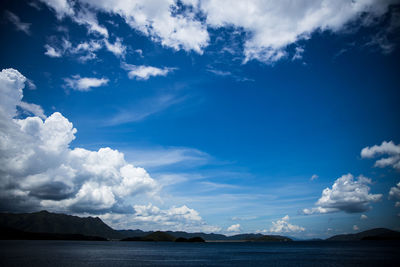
(272,117)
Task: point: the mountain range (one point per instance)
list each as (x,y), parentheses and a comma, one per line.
(47,225)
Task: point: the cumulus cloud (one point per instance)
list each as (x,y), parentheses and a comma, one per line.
(234,228)
(12,82)
(145,72)
(314,177)
(20,26)
(386,148)
(363,217)
(84,84)
(346,195)
(39,169)
(283,226)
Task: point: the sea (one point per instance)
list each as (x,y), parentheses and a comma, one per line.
(114,253)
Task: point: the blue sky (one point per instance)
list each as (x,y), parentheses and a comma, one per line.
(197,116)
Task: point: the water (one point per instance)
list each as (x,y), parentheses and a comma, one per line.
(87,253)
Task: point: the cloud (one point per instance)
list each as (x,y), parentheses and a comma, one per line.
(394,193)
(145,72)
(355,228)
(118,49)
(52,52)
(150,217)
(314,177)
(40,170)
(298,53)
(283,226)
(89,19)
(234,228)
(32,108)
(269,27)
(363,217)
(62,8)
(273,26)
(84,51)
(386,148)
(159,157)
(144,109)
(20,26)
(346,195)
(12,82)
(84,84)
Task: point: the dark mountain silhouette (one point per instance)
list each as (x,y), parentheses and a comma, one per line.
(7,233)
(373,234)
(155,236)
(46,222)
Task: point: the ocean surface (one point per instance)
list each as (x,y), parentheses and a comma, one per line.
(88,253)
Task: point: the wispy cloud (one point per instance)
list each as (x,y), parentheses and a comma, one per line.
(161,157)
(144,109)
(21,26)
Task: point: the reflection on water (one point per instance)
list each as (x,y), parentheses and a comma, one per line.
(86,253)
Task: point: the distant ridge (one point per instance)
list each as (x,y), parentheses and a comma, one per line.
(45,222)
(64,226)
(373,234)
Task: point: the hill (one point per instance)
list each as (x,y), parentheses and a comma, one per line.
(155,236)
(46,222)
(55,223)
(373,234)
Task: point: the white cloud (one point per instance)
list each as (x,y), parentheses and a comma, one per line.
(84,84)
(394,193)
(62,8)
(145,72)
(363,217)
(89,19)
(144,109)
(52,52)
(234,228)
(346,195)
(270,26)
(117,48)
(314,177)
(386,148)
(355,228)
(85,50)
(40,170)
(12,82)
(32,108)
(283,226)
(159,157)
(14,19)
(150,217)
(274,25)
(298,53)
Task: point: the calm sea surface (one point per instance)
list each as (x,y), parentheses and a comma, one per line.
(87,253)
